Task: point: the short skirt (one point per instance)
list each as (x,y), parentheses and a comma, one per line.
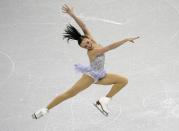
(88,70)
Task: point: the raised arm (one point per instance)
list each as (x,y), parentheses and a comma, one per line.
(70,11)
(114,45)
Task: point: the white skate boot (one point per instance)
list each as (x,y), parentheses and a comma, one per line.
(40,113)
(102,105)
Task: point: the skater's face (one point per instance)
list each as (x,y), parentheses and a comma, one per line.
(87,43)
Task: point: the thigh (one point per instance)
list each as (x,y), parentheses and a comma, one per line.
(84,82)
(111,78)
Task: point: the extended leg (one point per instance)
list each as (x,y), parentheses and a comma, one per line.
(84,82)
(80,85)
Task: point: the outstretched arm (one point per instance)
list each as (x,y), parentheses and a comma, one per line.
(69,10)
(114,45)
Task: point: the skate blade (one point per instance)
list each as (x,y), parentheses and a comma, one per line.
(102,111)
(34,116)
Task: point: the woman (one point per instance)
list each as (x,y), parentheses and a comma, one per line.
(92,74)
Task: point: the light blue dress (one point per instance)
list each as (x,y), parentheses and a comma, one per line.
(95,69)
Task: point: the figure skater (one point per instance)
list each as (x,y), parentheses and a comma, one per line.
(94,73)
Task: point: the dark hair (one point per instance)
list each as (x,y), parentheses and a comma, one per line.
(72,33)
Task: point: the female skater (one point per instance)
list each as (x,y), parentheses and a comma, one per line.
(92,74)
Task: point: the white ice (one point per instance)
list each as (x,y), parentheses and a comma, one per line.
(36,65)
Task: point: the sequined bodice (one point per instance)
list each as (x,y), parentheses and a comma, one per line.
(98,63)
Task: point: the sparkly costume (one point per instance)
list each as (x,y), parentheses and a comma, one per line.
(95,69)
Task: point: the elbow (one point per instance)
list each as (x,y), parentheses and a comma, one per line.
(111,47)
(83,26)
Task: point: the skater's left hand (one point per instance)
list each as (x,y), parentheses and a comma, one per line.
(132,39)
(67,9)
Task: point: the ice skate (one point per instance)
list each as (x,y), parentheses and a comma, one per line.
(102,105)
(40,113)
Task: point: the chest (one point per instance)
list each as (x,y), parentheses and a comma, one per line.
(91,55)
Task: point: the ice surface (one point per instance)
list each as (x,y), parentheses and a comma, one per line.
(36,64)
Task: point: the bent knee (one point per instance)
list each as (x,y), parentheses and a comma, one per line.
(124,81)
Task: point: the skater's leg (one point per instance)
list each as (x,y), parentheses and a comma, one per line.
(115,88)
(118,82)
(84,82)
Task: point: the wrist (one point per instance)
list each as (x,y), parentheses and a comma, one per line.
(71,14)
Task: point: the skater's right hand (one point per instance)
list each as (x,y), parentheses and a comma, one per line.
(67,9)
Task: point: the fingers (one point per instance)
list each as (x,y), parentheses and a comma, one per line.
(137,37)
(66,8)
(63,10)
(134,38)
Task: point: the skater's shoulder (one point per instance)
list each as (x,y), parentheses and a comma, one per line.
(93,51)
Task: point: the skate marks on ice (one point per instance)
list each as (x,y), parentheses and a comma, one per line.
(159,111)
(14,123)
(172,5)
(22,104)
(7,123)
(104,20)
(138,119)
(7,67)
(164,104)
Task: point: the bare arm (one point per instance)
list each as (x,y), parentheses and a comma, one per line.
(68,10)
(114,45)
(81,24)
